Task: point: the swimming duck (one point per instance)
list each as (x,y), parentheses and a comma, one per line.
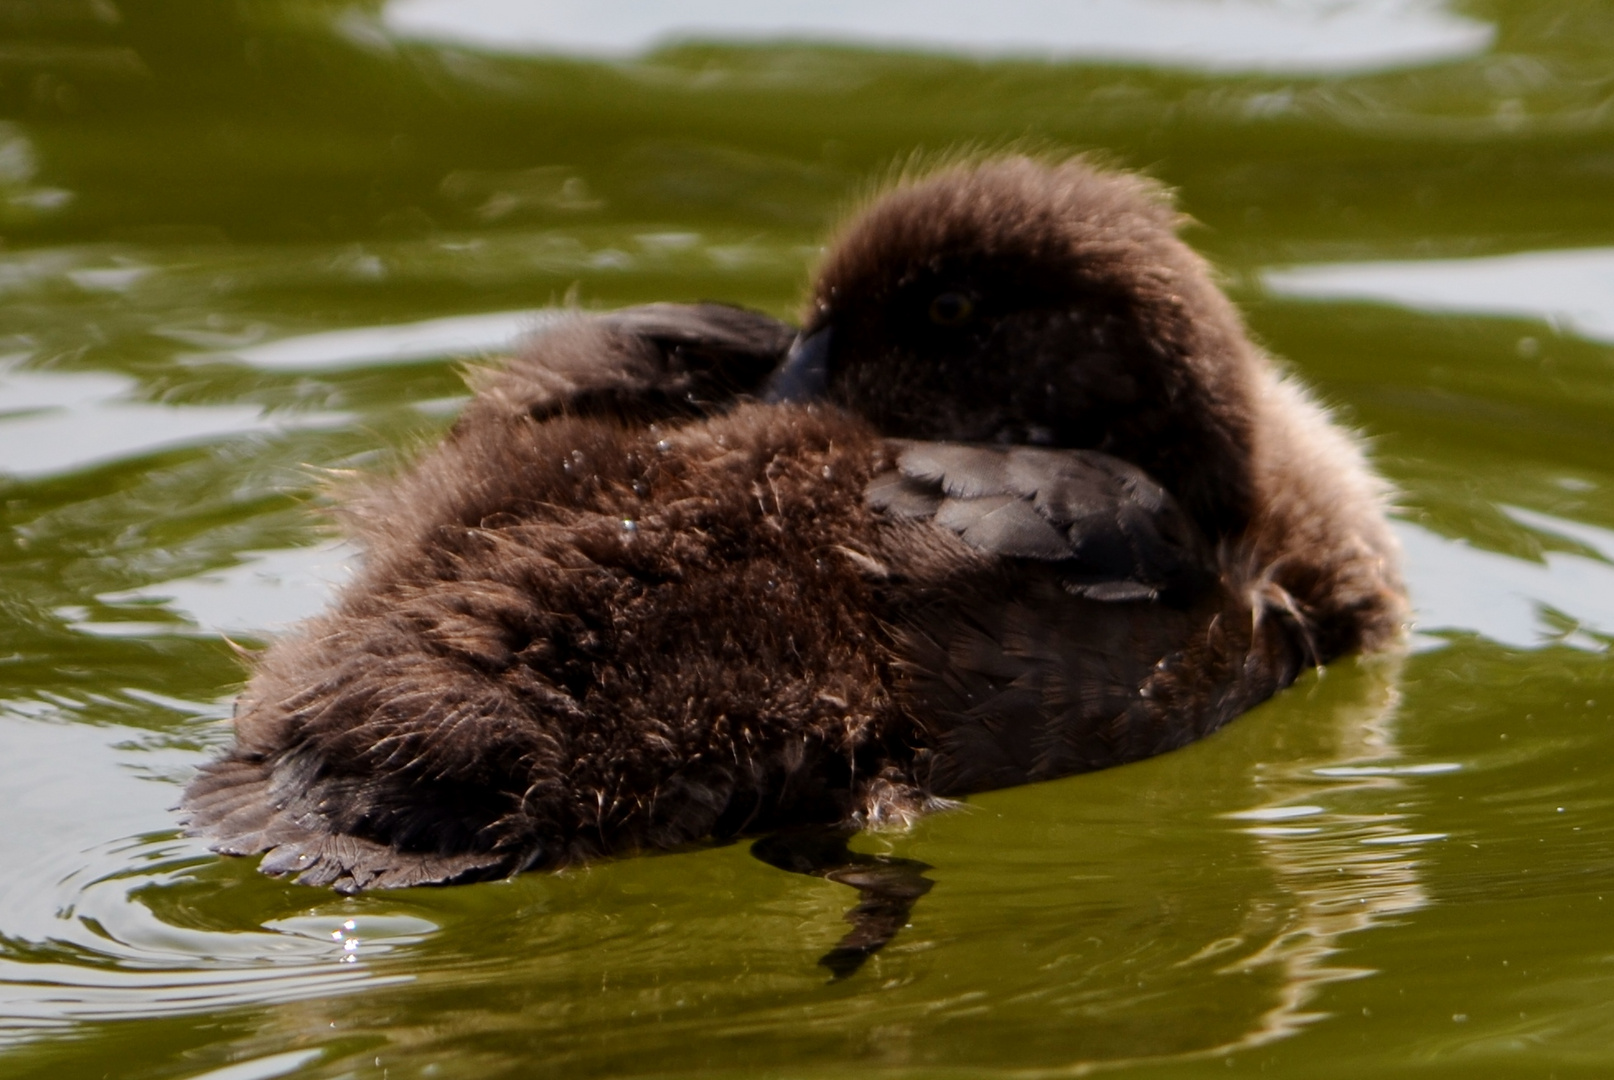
(1021,499)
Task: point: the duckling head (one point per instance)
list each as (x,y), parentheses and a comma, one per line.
(1024,302)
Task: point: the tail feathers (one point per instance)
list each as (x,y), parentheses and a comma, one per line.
(234,803)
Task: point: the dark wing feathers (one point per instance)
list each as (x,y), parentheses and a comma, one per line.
(895,496)
(958,470)
(1115,534)
(1004,525)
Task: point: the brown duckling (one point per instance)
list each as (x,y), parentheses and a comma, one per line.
(1022,500)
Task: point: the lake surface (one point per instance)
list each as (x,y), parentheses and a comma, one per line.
(245,246)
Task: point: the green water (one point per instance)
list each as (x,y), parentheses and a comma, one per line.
(1398,867)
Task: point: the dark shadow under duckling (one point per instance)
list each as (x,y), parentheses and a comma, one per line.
(1022,501)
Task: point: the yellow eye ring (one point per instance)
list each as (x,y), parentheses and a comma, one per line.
(951,309)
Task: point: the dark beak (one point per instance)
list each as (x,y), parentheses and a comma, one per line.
(804,376)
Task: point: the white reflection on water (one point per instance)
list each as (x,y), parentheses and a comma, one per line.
(1348,871)
(1298,36)
(264,1068)
(267,590)
(1456,586)
(1574,290)
(365,346)
(19,164)
(35,391)
(59,422)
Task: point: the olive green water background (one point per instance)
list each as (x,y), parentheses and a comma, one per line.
(245,244)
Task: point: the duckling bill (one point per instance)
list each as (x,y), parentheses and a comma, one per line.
(1023,500)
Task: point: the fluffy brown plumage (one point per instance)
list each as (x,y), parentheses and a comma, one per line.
(1023,501)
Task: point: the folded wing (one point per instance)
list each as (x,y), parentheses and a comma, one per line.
(1082,622)
(1112,532)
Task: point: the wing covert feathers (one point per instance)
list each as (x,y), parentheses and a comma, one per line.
(1115,534)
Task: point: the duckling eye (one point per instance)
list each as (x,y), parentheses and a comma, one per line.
(951,309)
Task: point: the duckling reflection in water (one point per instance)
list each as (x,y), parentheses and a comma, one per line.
(1021,500)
